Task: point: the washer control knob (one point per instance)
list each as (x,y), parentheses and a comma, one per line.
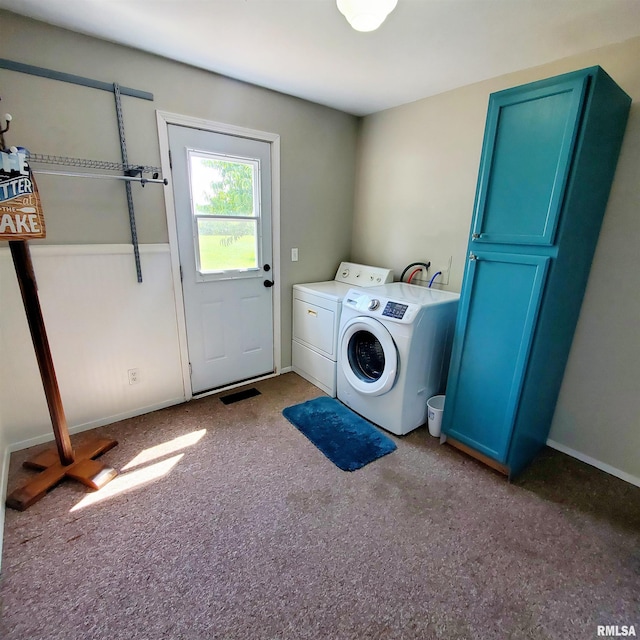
(374,304)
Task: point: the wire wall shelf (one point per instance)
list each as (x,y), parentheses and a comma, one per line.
(104,165)
(128,172)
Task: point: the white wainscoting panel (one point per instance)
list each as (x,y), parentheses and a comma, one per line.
(100,322)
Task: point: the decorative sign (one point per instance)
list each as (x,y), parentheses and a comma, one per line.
(21,216)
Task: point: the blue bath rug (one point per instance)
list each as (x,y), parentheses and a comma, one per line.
(348,440)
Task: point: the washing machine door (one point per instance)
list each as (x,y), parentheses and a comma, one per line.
(368,356)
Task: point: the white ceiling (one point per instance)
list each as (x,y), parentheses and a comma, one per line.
(306,48)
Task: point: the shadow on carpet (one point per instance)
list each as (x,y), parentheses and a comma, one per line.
(348,440)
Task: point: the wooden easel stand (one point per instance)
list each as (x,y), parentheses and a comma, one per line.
(29,289)
(79,465)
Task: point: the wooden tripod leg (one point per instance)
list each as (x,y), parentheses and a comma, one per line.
(29,289)
(34,490)
(92,473)
(85,469)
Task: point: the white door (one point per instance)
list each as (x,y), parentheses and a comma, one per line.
(222,196)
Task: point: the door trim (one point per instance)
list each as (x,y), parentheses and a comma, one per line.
(164,119)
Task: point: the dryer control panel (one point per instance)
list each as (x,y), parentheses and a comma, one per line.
(362,275)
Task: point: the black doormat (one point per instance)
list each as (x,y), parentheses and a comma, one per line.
(240,395)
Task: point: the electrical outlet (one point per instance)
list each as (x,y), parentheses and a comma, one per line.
(134,376)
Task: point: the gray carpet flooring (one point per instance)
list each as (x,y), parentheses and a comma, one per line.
(238,527)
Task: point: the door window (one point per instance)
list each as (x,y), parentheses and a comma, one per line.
(225,205)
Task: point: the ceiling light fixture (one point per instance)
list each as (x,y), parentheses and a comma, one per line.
(366,15)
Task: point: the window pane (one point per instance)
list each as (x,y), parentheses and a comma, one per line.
(227,244)
(222,187)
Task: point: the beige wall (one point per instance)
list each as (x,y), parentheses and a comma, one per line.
(416,174)
(416,180)
(318,145)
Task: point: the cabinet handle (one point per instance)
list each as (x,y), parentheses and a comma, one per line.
(473,257)
(311,312)
(475,236)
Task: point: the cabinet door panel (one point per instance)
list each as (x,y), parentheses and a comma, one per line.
(526,160)
(498,309)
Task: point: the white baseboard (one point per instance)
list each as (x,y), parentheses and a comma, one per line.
(607,468)
(31,442)
(285,370)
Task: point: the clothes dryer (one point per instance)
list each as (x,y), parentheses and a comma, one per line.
(316,320)
(394,349)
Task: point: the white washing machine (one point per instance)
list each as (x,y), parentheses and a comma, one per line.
(394,349)
(316,321)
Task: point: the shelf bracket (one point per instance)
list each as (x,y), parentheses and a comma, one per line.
(127,184)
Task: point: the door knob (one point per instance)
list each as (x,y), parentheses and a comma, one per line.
(268,283)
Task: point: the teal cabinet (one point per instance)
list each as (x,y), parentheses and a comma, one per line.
(493,346)
(548,161)
(530,139)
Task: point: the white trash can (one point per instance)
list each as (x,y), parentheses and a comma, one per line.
(435,407)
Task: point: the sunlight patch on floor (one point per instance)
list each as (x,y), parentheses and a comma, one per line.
(131,480)
(145,474)
(160,450)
